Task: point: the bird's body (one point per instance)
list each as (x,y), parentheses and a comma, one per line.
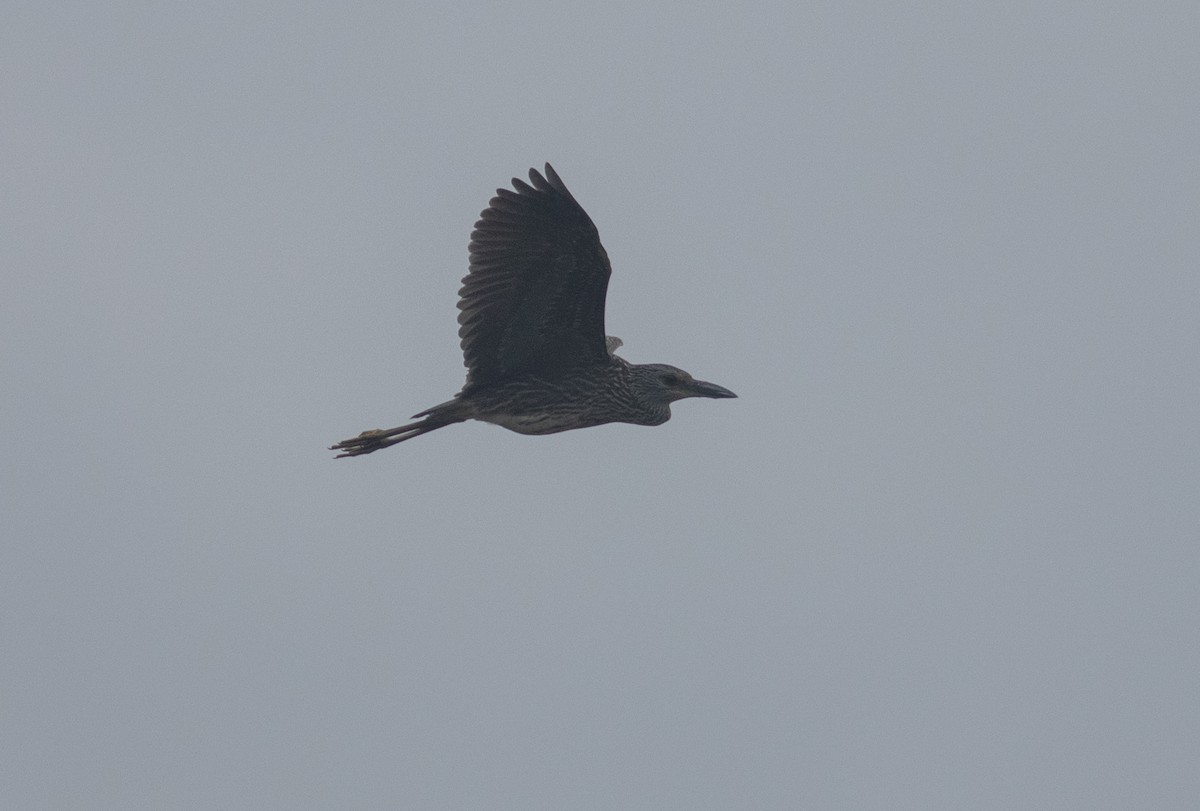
(531,404)
(532,330)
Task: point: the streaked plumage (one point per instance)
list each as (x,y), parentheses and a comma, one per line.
(532,329)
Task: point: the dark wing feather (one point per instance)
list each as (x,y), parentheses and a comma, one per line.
(534,298)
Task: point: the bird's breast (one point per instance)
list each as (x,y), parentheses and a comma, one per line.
(534,423)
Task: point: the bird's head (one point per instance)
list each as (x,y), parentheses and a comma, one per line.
(660,383)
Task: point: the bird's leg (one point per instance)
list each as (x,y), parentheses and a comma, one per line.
(378,438)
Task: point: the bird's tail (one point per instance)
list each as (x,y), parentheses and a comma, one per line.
(370,441)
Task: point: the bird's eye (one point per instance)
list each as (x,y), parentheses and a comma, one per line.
(670,379)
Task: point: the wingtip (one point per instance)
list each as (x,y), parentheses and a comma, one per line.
(551,180)
(548,182)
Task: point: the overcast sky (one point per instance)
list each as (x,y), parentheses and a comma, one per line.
(942,553)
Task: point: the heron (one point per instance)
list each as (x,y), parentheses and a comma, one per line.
(532,329)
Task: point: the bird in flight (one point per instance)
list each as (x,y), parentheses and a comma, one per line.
(532,329)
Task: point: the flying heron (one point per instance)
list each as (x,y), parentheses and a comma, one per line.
(532,329)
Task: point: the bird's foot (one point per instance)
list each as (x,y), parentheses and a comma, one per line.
(366,442)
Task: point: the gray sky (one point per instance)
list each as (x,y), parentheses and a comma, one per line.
(942,553)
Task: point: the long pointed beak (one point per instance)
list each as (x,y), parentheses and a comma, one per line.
(700,388)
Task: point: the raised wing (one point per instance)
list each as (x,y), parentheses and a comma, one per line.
(533,300)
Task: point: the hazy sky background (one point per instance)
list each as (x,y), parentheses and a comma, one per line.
(941,554)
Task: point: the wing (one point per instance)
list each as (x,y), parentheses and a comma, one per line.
(533,300)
